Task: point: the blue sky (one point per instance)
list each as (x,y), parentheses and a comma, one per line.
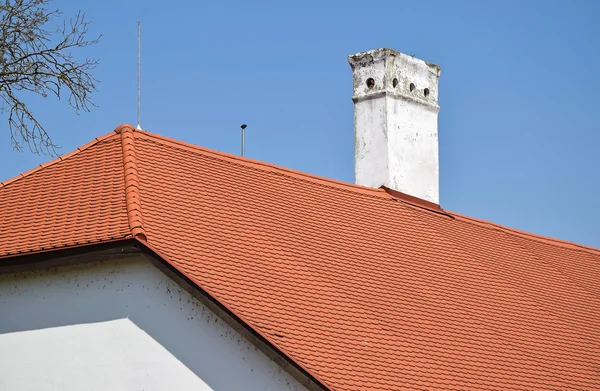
(519,92)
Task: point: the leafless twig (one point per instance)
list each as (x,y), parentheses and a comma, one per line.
(34,59)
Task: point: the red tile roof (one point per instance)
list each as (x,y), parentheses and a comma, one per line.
(74,200)
(361,288)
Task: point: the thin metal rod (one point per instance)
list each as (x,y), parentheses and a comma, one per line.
(139,76)
(243,141)
(244,126)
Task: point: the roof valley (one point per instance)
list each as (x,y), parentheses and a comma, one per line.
(132,183)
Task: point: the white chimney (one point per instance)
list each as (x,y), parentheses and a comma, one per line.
(395,122)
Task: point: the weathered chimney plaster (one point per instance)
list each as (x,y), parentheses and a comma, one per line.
(395,122)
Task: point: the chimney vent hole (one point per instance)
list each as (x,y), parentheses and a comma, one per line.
(412,87)
(394,82)
(370,83)
(426,92)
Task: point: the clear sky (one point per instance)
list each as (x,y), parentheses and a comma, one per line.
(519,92)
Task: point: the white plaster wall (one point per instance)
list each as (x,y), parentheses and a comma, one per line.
(371,159)
(413,148)
(121,325)
(395,125)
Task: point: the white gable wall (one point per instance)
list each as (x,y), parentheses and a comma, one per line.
(121,325)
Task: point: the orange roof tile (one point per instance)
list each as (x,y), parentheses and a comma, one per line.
(363,290)
(76,199)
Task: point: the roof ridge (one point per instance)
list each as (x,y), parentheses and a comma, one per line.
(254,163)
(530,235)
(355,188)
(95,141)
(132,183)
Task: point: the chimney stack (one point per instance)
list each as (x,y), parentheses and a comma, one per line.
(395,122)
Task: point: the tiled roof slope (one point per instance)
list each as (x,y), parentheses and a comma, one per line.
(75,200)
(364,291)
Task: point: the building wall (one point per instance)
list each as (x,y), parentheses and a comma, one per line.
(121,325)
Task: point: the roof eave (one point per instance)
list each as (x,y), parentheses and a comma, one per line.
(130,247)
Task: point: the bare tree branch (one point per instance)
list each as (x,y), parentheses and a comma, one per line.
(34,59)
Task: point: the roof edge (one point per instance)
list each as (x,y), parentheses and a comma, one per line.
(57,160)
(56,249)
(526,234)
(317,384)
(265,166)
(132,182)
(373,192)
(64,256)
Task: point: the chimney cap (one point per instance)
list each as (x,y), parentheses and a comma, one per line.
(375,55)
(386,71)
